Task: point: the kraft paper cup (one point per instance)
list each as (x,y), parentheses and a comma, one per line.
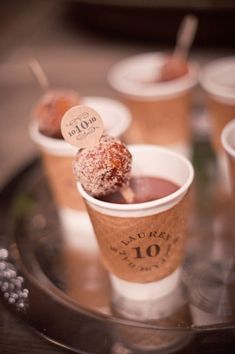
(218,81)
(142,245)
(161,111)
(228,143)
(57,156)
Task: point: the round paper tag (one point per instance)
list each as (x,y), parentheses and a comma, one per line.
(82,126)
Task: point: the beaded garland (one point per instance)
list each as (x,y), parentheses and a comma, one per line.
(11,284)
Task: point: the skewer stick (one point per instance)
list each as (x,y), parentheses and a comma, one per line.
(39,74)
(128,194)
(185,35)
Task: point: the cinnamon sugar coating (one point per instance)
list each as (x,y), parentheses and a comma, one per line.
(105,168)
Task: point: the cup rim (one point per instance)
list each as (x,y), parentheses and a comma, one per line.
(60,144)
(224,137)
(146,205)
(213,87)
(117,78)
(47,142)
(124,120)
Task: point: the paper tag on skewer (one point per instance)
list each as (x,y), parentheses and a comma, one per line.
(82,127)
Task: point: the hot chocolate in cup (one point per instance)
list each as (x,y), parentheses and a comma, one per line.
(142,245)
(228,143)
(218,81)
(160,110)
(57,156)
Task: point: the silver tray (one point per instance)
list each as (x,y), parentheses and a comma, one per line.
(68,298)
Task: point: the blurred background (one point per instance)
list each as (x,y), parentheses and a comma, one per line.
(77,42)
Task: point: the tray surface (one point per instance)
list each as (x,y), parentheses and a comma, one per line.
(69,296)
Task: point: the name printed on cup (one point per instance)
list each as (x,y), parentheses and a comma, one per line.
(145,251)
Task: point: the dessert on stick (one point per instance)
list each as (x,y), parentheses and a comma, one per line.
(103,163)
(176,65)
(104,168)
(52,105)
(51,108)
(157,88)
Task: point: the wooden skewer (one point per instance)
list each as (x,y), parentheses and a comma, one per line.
(39,74)
(185,35)
(128,194)
(175,62)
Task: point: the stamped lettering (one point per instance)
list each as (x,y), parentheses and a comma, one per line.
(157,252)
(82,126)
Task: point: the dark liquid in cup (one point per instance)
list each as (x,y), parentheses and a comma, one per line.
(145,190)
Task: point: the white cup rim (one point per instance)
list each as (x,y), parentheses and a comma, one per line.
(224,137)
(62,146)
(147,205)
(46,142)
(118,80)
(122,111)
(213,87)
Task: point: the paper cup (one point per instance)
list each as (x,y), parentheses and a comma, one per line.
(228,143)
(144,243)
(58,155)
(161,111)
(218,82)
